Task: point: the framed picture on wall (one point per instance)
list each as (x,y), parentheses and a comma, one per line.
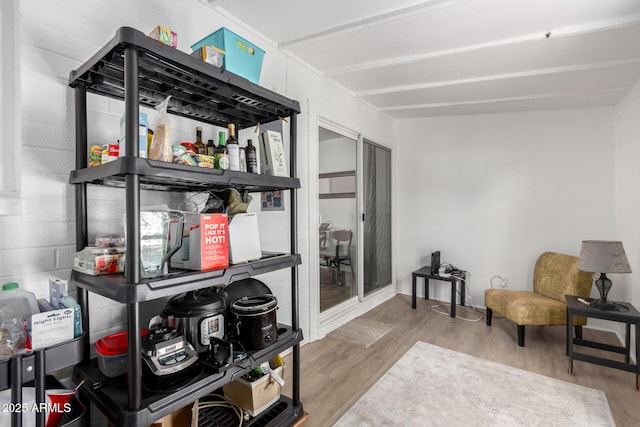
(272,200)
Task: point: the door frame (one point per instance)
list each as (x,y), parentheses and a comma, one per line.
(323,323)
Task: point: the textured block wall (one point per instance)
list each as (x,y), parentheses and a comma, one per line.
(53,38)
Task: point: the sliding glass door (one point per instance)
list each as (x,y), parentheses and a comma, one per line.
(338,218)
(354,212)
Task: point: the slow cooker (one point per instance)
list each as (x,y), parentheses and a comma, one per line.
(256,320)
(198,315)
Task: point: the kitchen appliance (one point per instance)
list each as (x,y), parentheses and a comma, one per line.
(165,352)
(198,315)
(157,228)
(256,321)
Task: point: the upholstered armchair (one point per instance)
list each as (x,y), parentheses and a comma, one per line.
(554,276)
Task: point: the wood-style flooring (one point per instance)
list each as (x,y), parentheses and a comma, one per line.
(335,374)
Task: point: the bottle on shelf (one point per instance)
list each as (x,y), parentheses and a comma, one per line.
(243,160)
(16,308)
(252,159)
(222,156)
(233,148)
(211,148)
(199,146)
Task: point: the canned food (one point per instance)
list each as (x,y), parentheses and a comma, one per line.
(95,155)
(204,161)
(110,152)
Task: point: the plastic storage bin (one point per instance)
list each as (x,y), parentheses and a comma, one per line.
(112,353)
(241,57)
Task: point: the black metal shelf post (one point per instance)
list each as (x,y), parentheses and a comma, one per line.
(141,71)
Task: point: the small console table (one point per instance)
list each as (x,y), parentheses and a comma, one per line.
(628,315)
(425,272)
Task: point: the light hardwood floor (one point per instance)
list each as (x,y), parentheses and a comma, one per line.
(335,374)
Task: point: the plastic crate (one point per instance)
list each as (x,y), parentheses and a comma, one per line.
(240,57)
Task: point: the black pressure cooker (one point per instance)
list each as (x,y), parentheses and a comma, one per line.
(198,315)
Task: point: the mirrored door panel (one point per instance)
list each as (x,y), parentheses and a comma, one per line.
(338,218)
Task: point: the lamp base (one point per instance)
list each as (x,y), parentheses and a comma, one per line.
(604,305)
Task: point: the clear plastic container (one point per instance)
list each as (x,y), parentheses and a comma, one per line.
(16,308)
(16,303)
(95,261)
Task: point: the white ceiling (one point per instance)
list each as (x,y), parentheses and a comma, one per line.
(417,58)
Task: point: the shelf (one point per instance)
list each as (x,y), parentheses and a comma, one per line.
(110,394)
(164,176)
(198,90)
(205,94)
(57,357)
(116,287)
(281,413)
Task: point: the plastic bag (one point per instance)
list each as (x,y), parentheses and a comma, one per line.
(160,148)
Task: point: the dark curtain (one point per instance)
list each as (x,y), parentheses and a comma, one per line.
(377,217)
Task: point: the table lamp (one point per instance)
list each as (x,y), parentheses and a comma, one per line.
(601,257)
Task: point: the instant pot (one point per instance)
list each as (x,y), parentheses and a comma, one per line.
(198,315)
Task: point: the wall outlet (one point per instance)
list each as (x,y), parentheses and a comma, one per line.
(499,280)
(502,280)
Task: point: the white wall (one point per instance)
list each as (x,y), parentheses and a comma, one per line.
(494,191)
(627,127)
(56,37)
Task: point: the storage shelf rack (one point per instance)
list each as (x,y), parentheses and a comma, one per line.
(20,369)
(142,71)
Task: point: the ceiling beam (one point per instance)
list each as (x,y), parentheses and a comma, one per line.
(549,95)
(493,77)
(420,7)
(573,31)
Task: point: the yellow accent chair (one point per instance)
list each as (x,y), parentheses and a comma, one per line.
(554,276)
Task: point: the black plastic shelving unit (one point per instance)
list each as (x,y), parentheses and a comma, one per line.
(36,366)
(142,71)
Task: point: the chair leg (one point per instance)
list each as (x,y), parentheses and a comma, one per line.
(578,332)
(521,335)
(488,316)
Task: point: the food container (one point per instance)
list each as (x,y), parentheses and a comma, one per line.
(164,35)
(204,161)
(112,353)
(181,155)
(210,54)
(240,56)
(95,261)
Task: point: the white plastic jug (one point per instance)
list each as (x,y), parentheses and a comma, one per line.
(16,303)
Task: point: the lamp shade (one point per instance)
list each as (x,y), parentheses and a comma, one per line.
(603,256)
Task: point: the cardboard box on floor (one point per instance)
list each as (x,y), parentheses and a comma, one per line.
(185,417)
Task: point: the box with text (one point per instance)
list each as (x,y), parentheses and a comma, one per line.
(205,244)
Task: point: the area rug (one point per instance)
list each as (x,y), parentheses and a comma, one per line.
(433,386)
(361,332)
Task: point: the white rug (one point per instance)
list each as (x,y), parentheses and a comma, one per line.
(361,332)
(433,386)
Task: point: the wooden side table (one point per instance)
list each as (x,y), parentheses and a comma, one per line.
(627,315)
(425,272)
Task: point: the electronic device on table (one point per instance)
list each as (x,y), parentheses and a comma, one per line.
(444,269)
(435,262)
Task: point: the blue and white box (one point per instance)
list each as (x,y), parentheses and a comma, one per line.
(142,143)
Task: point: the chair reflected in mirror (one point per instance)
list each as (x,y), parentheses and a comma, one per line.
(337,253)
